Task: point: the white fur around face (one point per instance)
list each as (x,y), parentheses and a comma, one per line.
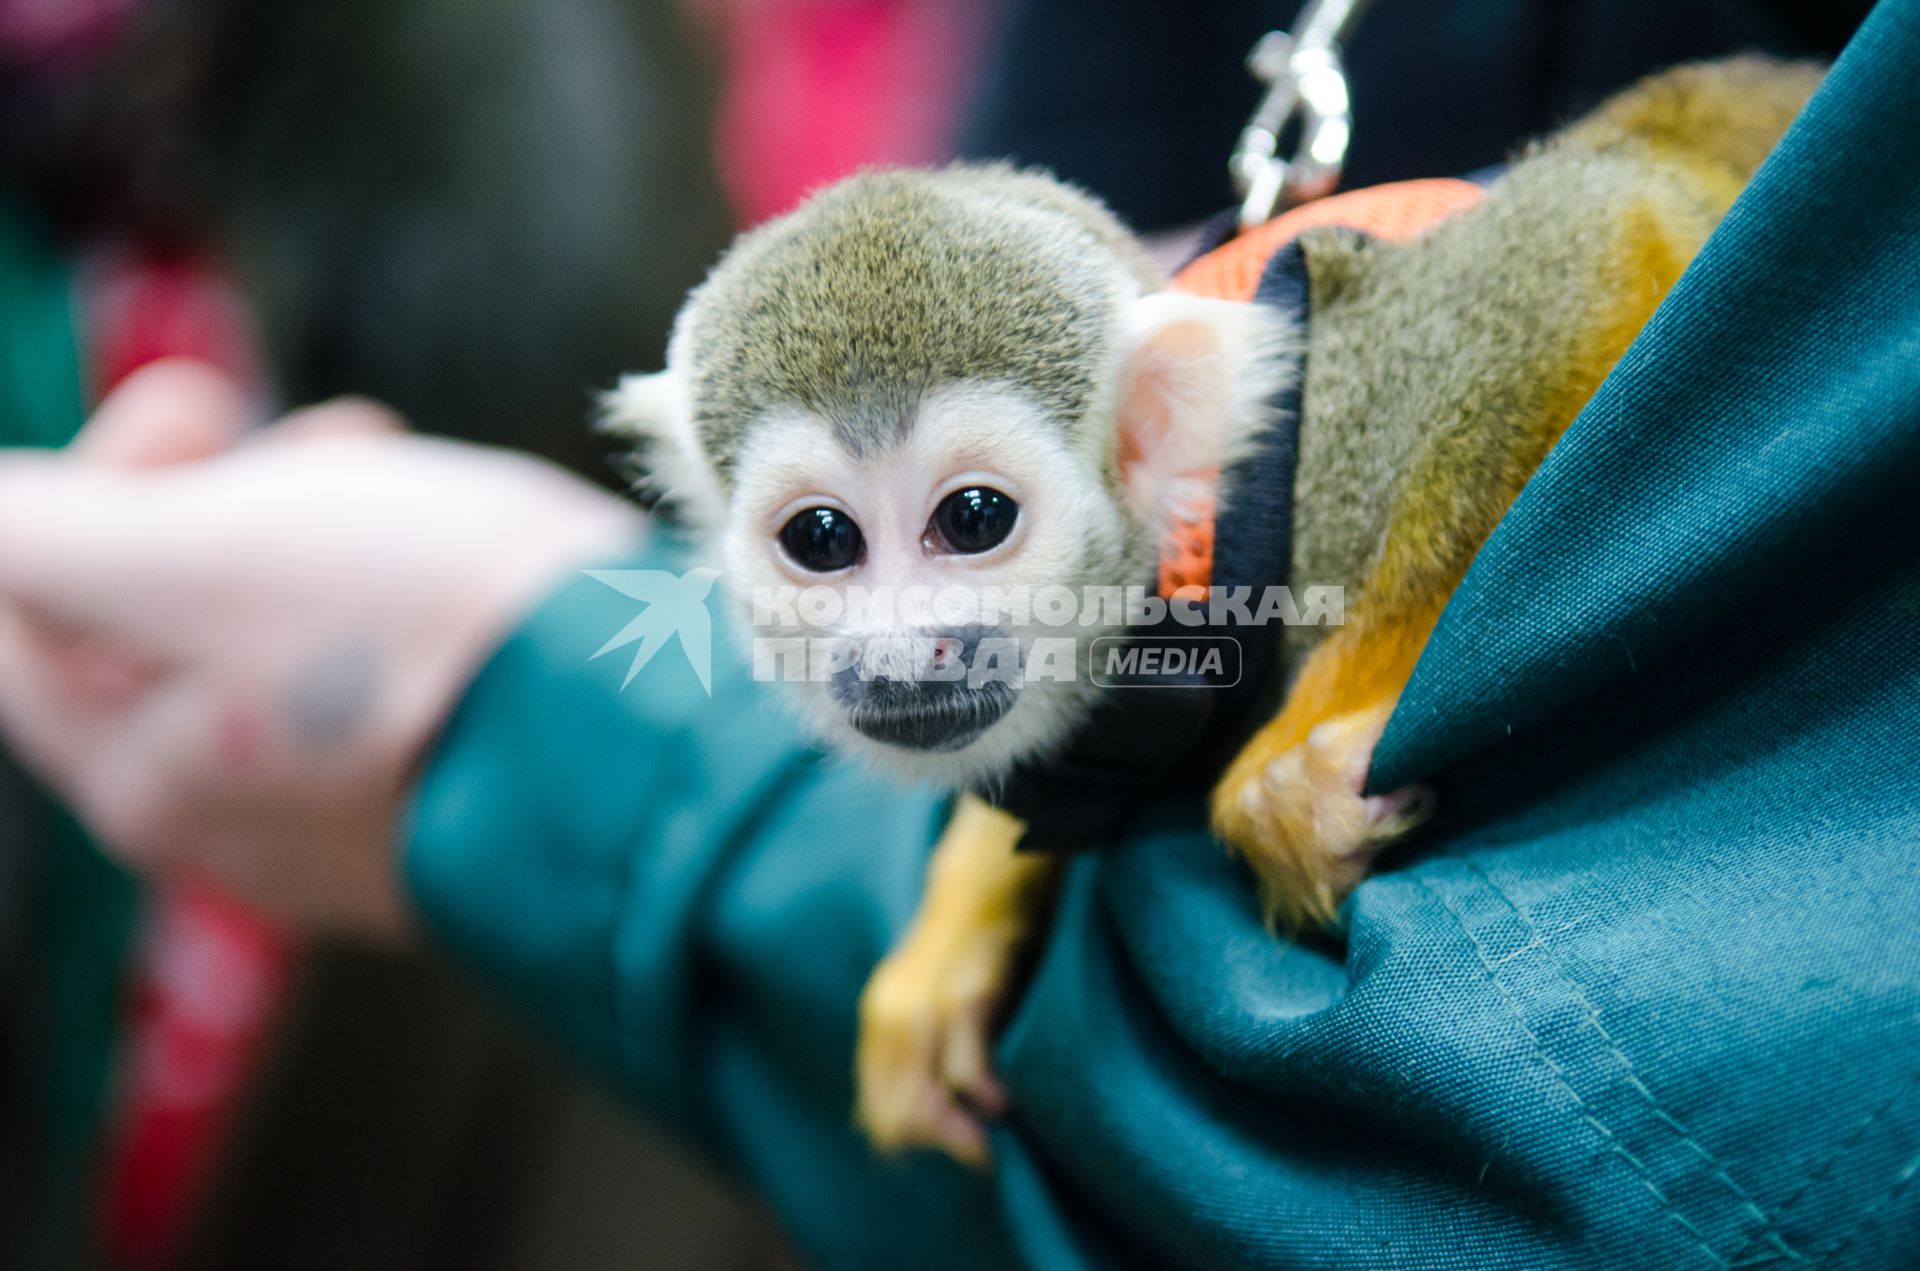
(1069,532)
(1190,390)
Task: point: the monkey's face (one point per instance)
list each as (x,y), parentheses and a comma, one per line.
(936,421)
(924,596)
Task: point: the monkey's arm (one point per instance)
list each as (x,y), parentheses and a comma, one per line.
(926,1018)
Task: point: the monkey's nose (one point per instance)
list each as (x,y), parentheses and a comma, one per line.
(921,699)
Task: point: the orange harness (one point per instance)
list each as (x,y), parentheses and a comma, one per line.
(1397,213)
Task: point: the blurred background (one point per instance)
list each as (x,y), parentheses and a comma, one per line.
(482,211)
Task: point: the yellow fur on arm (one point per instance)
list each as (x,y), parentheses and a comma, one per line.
(923,1064)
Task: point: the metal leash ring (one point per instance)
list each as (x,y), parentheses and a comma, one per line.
(1306,80)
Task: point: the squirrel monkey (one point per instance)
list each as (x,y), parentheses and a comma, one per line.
(954,384)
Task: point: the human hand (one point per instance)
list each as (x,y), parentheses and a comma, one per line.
(228,654)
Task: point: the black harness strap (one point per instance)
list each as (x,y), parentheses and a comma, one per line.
(1155,730)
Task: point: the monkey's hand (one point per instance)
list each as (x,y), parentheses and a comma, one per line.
(1295,811)
(924,1067)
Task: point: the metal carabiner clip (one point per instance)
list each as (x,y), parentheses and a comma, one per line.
(1305,78)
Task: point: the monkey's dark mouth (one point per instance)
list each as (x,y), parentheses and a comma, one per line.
(947,719)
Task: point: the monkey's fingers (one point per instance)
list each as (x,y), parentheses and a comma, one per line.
(904,1097)
(1299,818)
(966,1063)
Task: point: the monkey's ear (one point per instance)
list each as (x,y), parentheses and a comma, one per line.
(1196,387)
(670,465)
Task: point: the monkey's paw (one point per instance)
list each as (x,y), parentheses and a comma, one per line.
(923,1065)
(1297,815)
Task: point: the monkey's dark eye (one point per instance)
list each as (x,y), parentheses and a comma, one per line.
(973,520)
(822,540)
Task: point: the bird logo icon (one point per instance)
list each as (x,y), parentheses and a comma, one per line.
(676,605)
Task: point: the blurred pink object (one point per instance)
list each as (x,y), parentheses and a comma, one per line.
(207,985)
(209,974)
(816,89)
(60,34)
(139,307)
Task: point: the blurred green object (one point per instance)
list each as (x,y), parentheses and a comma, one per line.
(39,359)
(66,930)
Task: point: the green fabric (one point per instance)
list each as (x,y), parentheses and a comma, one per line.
(86,902)
(39,359)
(1647,995)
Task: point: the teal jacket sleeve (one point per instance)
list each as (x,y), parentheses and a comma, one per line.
(1647,995)
(687,898)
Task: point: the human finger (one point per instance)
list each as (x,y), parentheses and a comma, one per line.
(173,411)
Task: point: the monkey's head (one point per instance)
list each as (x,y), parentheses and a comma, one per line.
(921,416)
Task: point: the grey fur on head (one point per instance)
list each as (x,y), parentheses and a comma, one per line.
(895,281)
